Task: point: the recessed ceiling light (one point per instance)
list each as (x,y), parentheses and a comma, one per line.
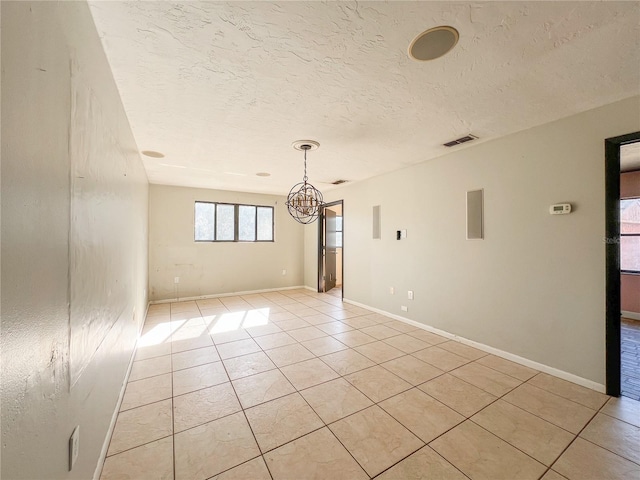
(263,174)
(434,43)
(152,154)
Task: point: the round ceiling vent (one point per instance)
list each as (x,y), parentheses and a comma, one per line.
(434,43)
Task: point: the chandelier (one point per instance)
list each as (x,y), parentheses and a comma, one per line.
(304,201)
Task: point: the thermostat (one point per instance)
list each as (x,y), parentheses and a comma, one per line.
(560,209)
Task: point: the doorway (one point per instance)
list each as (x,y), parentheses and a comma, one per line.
(614,272)
(330,249)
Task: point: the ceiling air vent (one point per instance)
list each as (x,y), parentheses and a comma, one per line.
(339,182)
(459,141)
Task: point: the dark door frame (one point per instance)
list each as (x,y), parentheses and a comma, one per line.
(321,245)
(612,226)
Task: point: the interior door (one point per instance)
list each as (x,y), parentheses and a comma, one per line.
(330,251)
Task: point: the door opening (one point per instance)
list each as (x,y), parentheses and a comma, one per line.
(614,273)
(330,249)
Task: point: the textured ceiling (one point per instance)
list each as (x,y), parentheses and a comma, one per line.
(223,89)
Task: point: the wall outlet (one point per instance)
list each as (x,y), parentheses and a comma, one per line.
(176,279)
(404,308)
(403,234)
(284,272)
(392,290)
(74,446)
(410,294)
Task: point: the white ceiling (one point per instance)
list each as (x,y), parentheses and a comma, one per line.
(223,89)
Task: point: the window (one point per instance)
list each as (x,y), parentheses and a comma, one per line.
(227,222)
(630,235)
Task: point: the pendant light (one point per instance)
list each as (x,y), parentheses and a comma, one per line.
(304,201)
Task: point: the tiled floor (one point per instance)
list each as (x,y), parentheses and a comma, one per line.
(297,385)
(630,346)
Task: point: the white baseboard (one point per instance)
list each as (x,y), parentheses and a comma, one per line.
(220,295)
(631,315)
(494,351)
(107,440)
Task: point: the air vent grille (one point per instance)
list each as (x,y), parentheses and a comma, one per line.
(339,182)
(459,141)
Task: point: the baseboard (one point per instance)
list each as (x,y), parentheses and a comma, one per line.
(570,377)
(107,440)
(631,315)
(220,295)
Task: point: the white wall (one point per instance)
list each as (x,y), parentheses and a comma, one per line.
(534,286)
(74,240)
(209,268)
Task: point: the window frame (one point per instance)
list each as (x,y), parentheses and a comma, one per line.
(236,223)
(627,272)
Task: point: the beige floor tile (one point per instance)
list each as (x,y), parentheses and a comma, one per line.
(347,361)
(354,338)
(150,367)
(204,406)
(319,319)
(552,408)
(428,337)
(487,379)
(185,332)
(195,378)
(153,461)
(279,421)
(208,303)
(425,464)
(334,327)
(191,343)
(377,383)
(571,391)
(379,351)
(220,338)
(461,396)
(274,340)
(426,417)
(335,399)
(355,321)
(399,326)
(306,333)
(147,390)
(238,367)
(443,359)
(614,435)
(463,350)
(406,343)
(481,455)
(623,408)
(317,456)
(261,330)
(283,356)
(380,332)
(281,317)
(235,349)
(188,306)
(141,425)
(262,387)
(534,436)
(149,351)
(193,358)
(585,461)
(551,475)
(292,323)
(308,373)
(375,439)
(252,470)
(508,367)
(412,370)
(214,447)
(324,345)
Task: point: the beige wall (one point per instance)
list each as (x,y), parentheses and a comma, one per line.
(534,286)
(74,240)
(630,284)
(209,268)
